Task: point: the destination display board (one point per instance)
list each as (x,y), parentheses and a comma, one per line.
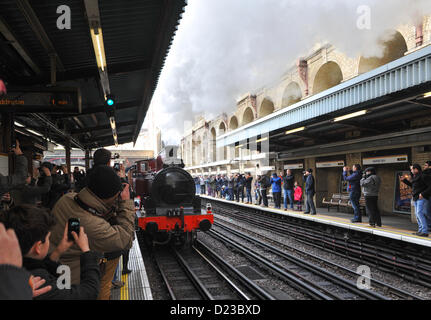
(42,99)
(295,166)
(330,164)
(386,160)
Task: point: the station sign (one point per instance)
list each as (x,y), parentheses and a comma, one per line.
(267,169)
(330,164)
(294,166)
(42,99)
(386,160)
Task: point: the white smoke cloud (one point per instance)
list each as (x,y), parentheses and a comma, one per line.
(225,48)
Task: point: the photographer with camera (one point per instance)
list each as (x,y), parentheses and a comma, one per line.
(421,189)
(370,184)
(354,177)
(60,185)
(107,213)
(20,174)
(31,193)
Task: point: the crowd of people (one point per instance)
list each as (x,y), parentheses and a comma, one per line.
(39,258)
(238,187)
(359,182)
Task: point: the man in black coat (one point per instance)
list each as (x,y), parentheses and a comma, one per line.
(310,191)
(32,227)
(288,187)
(421,191)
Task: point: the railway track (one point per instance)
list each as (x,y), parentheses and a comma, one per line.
(394,260)
(274,247)
(198,273)
(312,280)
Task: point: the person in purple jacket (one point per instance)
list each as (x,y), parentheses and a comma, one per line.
(354,177)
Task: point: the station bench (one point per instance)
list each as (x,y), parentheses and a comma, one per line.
(343,200)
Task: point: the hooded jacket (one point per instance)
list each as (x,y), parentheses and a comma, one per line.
(102,236)
(276,184)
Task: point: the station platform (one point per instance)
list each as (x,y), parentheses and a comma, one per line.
(394,227)
(136,284)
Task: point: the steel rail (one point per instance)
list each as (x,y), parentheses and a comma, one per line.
(400,293)
(299,231)
(302,285)
(349,285)
(253,287)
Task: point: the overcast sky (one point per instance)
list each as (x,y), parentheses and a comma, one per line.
(226,48)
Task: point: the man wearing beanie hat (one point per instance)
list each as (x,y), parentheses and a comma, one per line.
(105,211)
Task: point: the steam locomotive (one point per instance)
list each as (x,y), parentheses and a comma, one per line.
(169,210)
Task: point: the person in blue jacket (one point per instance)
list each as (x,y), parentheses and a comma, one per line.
(276,190)
(354,177)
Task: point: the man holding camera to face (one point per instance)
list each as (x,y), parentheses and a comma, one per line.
(31,192)
(354,177)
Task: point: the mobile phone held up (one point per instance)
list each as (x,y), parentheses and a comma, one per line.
(72,225)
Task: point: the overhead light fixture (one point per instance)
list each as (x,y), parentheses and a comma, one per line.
(427,95)
(19,124)
(240,146)
(113,125)
(352,115)
(99,48)
(295,130)
(262,140)
(35,132)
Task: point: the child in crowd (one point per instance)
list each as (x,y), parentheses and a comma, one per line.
(33,226)
(298,196)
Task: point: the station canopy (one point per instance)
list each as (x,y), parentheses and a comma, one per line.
(59,77)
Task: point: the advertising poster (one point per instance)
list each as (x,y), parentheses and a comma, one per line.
(403,193)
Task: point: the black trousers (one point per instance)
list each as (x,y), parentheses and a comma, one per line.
(309,203)
(264,197)
(277,199)
(373,210)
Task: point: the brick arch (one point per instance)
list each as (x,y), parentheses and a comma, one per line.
(222,128)
(266,107)
(394,46)
(328,75)
(292,94)
(248,116)
(233,123)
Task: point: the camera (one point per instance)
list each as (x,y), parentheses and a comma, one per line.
(117,166)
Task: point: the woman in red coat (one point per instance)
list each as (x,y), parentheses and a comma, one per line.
(298,196)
